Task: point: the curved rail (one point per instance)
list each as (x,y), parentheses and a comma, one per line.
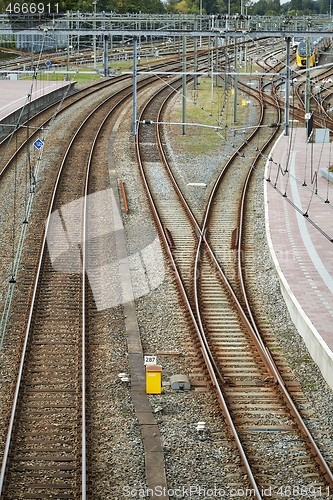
(291,405)
(83,301)
(215,375)
(265,355)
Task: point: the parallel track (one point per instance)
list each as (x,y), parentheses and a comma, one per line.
(253,396)
(45,453)
(51,461)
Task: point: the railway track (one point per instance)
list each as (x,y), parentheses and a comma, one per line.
(45,450)
(258,416)
(319,97)
(46,438)
(254,397)
(39,123)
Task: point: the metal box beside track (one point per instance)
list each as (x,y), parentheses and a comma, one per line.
(153,379)
(180,383)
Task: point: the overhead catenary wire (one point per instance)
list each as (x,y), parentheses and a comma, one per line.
(220,126)
(29,186)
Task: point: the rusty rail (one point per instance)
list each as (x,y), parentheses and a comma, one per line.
(123,194)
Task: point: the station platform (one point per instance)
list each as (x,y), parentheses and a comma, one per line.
(299,228)
(14,95)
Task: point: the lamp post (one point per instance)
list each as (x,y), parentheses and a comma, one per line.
(184,85)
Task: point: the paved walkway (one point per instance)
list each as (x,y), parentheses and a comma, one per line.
(301,245)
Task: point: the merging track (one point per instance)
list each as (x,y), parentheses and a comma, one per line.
(208,252)
(208,257)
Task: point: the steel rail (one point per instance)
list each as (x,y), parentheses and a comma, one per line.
(84,282)
(272,367)
(209,358)
(269,362)
(246,321)
(225,410)
(166,241)
(189,212)
(8,301)
(288,400)
(34,294)
(19,379)
(83,93)
(215,375)
(242,217)
(203,343)
(263,351)
(7,139)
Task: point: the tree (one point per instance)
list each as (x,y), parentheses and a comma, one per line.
(182,6)
(131,6)
(266,8)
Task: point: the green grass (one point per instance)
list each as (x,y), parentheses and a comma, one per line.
(59,76)
(5,55)
(312,384)
(207,106)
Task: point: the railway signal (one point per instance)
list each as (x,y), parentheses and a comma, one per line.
(38,144)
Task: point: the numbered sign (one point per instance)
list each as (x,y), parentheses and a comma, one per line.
(150,360)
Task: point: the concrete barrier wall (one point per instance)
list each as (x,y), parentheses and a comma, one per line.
(326,174)
(34,106)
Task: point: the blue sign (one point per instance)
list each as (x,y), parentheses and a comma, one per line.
(48,63)
(38,144)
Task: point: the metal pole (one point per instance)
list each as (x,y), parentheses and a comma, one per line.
(195,48)
(235,80)
(226,58)
(286,126)
(135,41)
(105,55)
(212,78)
(307,77)
(217,63)
(94,36)
(200,23)
(67,75)
(184,86)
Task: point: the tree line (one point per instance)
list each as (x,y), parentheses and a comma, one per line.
(259,7)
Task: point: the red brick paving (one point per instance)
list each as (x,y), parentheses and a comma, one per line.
(304,255)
